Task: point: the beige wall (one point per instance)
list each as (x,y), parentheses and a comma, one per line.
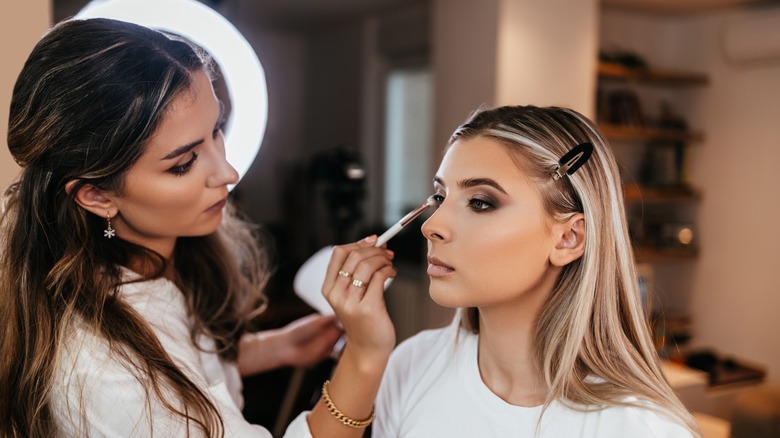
(464,62)
(502,52)
(21,26)
(547,53)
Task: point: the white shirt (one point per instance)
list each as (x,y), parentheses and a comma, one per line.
(91,381)
(433,388)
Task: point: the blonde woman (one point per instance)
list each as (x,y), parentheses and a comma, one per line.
(530,243)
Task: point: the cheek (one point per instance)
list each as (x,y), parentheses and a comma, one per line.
(511,258)
(170,194)
(165,201)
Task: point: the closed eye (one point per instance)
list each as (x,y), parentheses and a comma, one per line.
(182,169)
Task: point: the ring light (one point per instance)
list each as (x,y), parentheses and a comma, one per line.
(243,73)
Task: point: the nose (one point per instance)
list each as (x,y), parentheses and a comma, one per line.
(434,229)
(223,173)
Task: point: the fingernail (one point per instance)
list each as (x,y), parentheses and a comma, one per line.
(370,239)
(390,253)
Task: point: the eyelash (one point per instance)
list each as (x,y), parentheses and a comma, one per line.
(184,168)
(486,205)
(476,204)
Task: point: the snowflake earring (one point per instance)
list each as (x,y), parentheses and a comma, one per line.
(108,232)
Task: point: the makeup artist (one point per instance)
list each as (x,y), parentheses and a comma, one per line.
(127,282)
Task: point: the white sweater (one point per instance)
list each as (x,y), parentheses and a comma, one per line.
(433,388)
(89,376)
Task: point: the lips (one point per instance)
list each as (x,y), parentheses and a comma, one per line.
(437,268)
(218,206)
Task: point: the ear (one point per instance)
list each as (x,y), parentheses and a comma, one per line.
(93,199)
(570,243)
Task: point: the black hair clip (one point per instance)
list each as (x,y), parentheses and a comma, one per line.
(572,160)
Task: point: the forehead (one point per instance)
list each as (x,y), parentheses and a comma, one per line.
(479,156)
(192,109)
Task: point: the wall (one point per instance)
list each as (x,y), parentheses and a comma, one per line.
(464,58)
(547,55)
(502,52)
(21,26)
(731,290)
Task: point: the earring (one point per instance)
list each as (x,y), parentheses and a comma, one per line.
(108,232)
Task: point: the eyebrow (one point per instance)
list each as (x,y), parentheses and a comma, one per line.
(473,182)
(182,150)
(188,147)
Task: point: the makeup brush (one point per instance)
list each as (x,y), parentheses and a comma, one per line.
(406,220)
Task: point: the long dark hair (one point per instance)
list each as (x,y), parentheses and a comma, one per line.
(88,99)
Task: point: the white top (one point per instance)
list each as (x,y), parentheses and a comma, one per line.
(433,388)
(91,377)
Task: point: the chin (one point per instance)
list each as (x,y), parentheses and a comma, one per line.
(203,231)
(444,297)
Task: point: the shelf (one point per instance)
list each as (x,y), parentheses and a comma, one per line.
(633,193)
(651,75)
(620,109)
(649,254)
(643,133)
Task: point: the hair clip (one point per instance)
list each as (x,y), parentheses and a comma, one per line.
(572,160)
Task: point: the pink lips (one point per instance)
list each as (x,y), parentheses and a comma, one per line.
(436,268)
(218,206)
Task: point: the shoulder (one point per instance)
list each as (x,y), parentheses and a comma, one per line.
(656,420)
(93,380)
(425,347)
(637,418)
(415,366)
(422,360)
(425,340)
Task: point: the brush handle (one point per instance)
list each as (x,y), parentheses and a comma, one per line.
(387,235)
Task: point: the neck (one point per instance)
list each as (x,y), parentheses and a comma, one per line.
(146,266)
(506,355)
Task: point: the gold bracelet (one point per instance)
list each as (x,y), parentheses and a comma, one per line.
(351,422)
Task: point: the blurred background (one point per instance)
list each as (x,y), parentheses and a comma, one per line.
(364,94)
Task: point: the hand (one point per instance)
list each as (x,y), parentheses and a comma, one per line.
(361,308)
(303,342)
(308,340)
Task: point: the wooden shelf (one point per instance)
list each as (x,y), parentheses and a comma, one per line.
(634,193)
(643,133)
(651,75)
(618,101)
(651,254)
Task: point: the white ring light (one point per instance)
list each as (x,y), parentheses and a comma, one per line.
(243,73)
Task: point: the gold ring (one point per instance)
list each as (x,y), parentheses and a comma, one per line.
(357,283)
(345,274)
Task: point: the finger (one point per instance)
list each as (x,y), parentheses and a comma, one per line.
(339,257)
(375,292)
(364,273)
(351,270)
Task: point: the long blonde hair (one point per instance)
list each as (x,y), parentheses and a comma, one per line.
(88,99)
(593,324)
